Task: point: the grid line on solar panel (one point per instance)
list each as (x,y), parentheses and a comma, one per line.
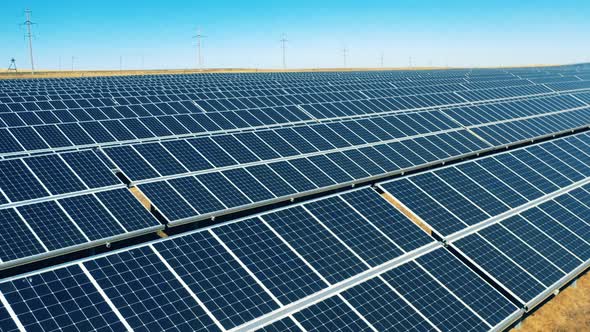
(146,293)
(353,230)
(271,260)
(315,244)
(59,299)
(226,290)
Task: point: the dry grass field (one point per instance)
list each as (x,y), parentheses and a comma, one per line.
(23,73)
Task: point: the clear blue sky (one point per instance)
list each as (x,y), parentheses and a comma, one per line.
(247,33)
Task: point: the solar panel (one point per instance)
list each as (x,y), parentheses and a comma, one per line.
(330,315)
(285,274)
(146,293)
(223,286)
(60,299)
(315,244)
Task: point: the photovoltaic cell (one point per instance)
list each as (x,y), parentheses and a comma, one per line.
(433,300)
(54,174)
(223,286)
(332,314)
(223,189)
(52,225)
(387,219)
(468,286)
(91,216)
(18,183)
(127,209)
(271,260)
(315,244)
(147,294)
(352,229)
(90,169)
(383,308)
(62,299)
(18,241)
(500,267)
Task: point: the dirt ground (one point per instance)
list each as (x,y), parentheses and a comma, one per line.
(568,311)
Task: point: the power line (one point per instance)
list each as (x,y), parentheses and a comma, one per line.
(29,35)
(283,46)
(199,57)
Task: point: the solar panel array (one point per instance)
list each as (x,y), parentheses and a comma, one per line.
(521,216)
(198,147)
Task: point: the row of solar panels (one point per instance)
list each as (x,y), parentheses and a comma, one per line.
(451,199)
(229,81)
(229,174)
(240,97)
(520,216)
(199,195)
(350,261)
(100,130)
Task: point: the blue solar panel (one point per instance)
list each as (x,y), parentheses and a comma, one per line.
(9,143)
(274,264)
(565,236)
(167,200)
(348,165)
(94,220)
(500,267)
(18,183)
(271,180)
(187,155)
(62,299)
(479,196)
(212,152)
(28,138)
(354,230)
(18,241)
(147,294)
(387,219)
(470,288)
(223,189)
(332,314)
(313,173)
(247,184)
(542,243)
(315,244)
(432,299)
(53,136)
(447,197)
(224,287)
(52,225)
(383,308)
(492,184)
(160,159)
(196,195)
(90,169)
(256,145)
(424,206)
(131,163)
(236,149)
(54,174)
(127,209)
(292,176)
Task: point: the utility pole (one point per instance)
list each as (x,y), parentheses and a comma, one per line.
(73,58)
(29,35)
(59,63)
(199,57)
(283,46)
(120,63)
(344,52)
(410,61)
(381,59)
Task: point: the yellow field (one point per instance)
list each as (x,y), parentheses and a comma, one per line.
(23,73)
